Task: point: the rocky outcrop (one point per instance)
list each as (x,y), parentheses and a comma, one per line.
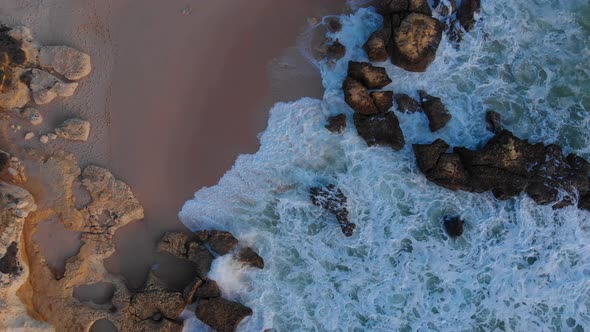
(438,115)
(407,104)
(494,121)
(221,314)
(453,226)
(337,123)
(467,14)
(507,166)
(74,129)
(380,130)
(333,200)
(28,70)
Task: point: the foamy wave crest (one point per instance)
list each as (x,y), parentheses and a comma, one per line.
(518,267)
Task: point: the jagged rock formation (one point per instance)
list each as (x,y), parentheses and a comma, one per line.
(438,115)
(333,200)
(407,104)
(507,166)
(494,122)
(381,129)
(31,71)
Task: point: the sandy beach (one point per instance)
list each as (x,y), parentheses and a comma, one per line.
(177,92)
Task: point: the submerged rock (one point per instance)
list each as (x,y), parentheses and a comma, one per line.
(453,226)
(507,166)
(74,129)
(407,104)
(438,115)
(333,200)
(222,315)
(336,123)
(415,42)
(380,129)
(336,50)
(445,7)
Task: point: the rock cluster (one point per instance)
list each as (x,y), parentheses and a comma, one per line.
(200,249)
(333,200)
(507,166)
(31,71)
(372,118)
(410,36)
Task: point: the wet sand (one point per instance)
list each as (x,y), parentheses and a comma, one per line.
(178,91)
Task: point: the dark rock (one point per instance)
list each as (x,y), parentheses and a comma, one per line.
(222,315)
(393,6)
(380,129)
(453,226)
(199,255)
(9,262)
(222,242)
(415,41)
(435,110)
(336,50)
(336,123)
(333,200)
(334,24)
(376,45)
(445,7)
(202,236)
(494,121)
(208,290)
(188,294)
(251,258)
(383,100)
(370,76)
(357,97)
(467,12)
(4,161)
(507,166)
(427,155)
(419,6)
(407,104)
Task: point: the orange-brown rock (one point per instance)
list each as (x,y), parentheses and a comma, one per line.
(415,42)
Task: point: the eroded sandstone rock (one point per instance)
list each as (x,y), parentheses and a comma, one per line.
(221,314)
(251,258)
(74,129)
(415,42)
(46,87)
(383,100)
(370,76)
(407,104)
(67,61)
(357,97)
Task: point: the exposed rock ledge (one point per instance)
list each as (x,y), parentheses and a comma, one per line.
(507,166)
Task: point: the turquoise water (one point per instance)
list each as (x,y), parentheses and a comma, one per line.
(518,267)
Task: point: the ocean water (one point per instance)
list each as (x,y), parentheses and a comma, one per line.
(518,267)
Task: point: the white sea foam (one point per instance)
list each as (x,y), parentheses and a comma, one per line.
(518,267)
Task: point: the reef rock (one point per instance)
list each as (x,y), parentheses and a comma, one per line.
(507,166)
(46,87)
(336,123)
(370,76)
(221,314)
(415,42)
(74,129)
(453,226)
(357,97)
(438,115)
(380,129)
(494,121)
(69,62)
(333,200)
